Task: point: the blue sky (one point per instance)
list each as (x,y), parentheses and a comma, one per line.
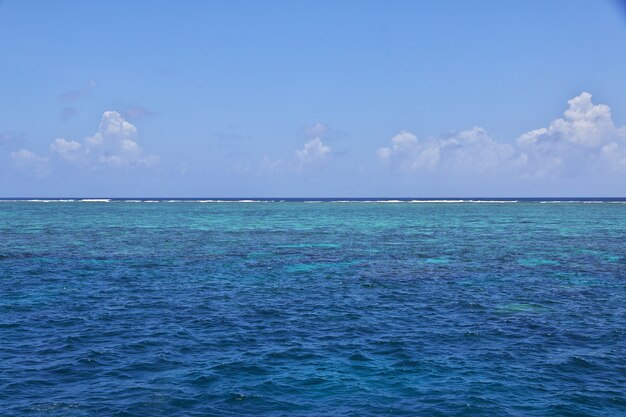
(312,98)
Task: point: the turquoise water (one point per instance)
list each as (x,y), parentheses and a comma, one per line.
(343,309)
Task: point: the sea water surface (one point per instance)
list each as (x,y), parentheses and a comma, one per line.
(312,308)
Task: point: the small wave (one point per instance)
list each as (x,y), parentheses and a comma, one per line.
(95,200)
(358,357)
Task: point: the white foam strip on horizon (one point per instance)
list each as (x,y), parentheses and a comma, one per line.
(424,201)
(439,201)
(493,201)
(580,202)
(466,201)
(229,201)
(107,200)
(45,201)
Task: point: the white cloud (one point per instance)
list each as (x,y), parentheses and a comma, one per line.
(308,160)
(585,139)
(112,125)
(583,124)
(114,145)
(67,150)
(615,155)
(31,162)
(313,151)
(470,150)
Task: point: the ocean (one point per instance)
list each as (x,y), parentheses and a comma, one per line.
(505,307)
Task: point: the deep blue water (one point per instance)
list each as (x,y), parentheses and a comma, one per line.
(342,309)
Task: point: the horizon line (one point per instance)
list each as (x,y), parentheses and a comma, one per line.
(313,198)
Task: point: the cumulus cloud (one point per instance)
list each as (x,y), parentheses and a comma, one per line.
(470,150)
(114,145)
(67,150)
(313,151)
(310,159)
(584,139)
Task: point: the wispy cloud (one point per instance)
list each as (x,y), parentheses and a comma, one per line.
(316,130)
(76,94)
(11,140)
(136,112)
(67,113)
(31,163)
(323,131)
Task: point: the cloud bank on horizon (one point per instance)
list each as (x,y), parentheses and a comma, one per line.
(584,141)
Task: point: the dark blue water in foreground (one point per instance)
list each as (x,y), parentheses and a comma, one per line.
(342,309)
